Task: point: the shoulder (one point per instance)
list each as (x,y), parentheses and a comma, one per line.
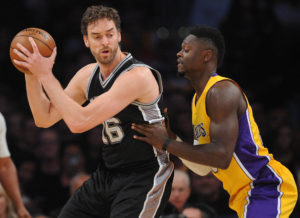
(140,70)
(224,96)
(138,73)
(224,90)
(86,70)
(82,76)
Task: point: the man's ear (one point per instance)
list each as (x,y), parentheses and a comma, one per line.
(208,55)
(119,37)
(86,42)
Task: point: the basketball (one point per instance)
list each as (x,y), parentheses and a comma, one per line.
(43,40)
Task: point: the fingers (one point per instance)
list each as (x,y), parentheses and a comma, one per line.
(21,54)
(21,63)
(143,129)
(34,46)
(141,138)
(23,49)
(54,52)
(53,55)
(140,129)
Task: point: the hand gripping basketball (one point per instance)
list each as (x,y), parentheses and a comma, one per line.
(43,40)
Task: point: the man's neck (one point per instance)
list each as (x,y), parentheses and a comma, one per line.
(200,82)
(106,69)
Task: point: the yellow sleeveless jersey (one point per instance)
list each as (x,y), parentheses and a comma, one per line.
(258,185)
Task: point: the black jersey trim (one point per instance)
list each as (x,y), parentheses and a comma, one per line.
(159,84)
(90,81)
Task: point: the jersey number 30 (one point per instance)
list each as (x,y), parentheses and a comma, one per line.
(112,132)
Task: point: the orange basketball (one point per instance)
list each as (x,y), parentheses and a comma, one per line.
(43,40)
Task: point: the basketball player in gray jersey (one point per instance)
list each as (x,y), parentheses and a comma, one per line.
(133,179)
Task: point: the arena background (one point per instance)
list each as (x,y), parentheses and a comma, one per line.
(262,55)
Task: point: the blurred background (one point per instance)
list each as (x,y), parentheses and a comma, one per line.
(262,54)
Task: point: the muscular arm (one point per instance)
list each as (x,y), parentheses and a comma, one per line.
(136,84)
(223,102)
(44,112)
(9,180)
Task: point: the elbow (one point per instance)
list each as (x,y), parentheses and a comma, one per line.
(77,127)
(225,161)
(41,124)
(224,165)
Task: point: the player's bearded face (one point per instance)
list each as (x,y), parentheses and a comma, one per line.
(106,55)
(103,40)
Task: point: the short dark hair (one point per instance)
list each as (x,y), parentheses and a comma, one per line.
(95,12)
(214,35)
(206,210)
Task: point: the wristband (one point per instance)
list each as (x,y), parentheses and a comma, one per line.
(166,143)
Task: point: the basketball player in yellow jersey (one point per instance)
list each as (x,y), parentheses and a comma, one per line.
(227,139)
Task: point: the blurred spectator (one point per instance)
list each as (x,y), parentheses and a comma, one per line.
(76,182)
(276,117)
(30,136)
(208,189)
(15,127)
(27,172)
(199,210)
(47,152)
(49,187)
(93,148)
(283,149)
(73,162)
(181,190)
(192,212)
(259,116)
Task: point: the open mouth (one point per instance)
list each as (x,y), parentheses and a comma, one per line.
(105,51)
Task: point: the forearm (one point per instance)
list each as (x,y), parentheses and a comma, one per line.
(207,154)
(39,103)
(70,110)
(9,180)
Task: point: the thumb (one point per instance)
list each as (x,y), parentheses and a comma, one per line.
(53,55)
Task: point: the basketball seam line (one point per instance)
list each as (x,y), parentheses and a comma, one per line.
(36,39)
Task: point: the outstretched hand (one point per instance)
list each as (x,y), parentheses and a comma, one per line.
(154,134)
(37,64)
